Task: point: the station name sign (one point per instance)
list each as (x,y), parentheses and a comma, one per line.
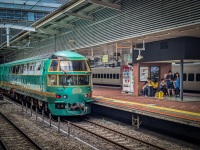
(104,58)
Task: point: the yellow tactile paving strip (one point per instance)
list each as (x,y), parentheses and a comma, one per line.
(149,108)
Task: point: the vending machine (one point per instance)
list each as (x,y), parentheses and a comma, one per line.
(127,79)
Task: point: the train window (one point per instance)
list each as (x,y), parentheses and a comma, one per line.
(38,67)
(104,76)
(66,80)
(21,69)
(26,66)
(92,75)
(25,69)
(98,75)
(17,70)
(101,76)
(52,80)
(198,77)
(75,65)
(191,77)
(184,77)
(114,76)
(13,69)
(117,76)
(107,75)
(54,65)
(111,76)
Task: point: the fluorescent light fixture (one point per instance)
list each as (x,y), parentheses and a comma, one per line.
(189,29)
(162,34)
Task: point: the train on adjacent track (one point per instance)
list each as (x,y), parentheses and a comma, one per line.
(108,76)
(59,83)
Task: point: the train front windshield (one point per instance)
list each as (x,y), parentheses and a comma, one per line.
(77,65)
(73,80)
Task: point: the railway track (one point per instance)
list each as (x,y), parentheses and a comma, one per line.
(120,140)
(13,137)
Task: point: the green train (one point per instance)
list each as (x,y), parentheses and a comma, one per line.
(59,82)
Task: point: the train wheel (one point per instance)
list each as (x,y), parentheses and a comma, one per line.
(54,118)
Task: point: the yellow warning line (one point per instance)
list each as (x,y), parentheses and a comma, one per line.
(150,106)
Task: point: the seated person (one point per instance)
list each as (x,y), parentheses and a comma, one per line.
(69,80)
(145,87)
(163,86)
(155,86)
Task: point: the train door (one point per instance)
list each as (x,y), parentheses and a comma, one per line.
(43,76)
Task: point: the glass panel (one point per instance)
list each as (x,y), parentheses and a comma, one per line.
(21,68)
(73,65)
(198,77)
(117,76)
(74,80)
(114,76)
(184,77)
(13,69)
(17,70)
(191,77)
(110,76)
(107,76)
(54,65)
(37,67)
(101,76)
(104,76)
(52,80)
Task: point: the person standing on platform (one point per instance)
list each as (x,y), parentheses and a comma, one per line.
(169,79)
(145,87)
(177,84)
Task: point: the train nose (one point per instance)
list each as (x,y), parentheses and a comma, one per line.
(76,102)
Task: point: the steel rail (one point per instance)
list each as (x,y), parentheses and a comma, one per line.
(145,142)
(30,140)
(4,145)
(78,126)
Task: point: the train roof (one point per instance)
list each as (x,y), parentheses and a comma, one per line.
(67,55)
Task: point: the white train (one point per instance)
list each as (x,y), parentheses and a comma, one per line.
(112,76)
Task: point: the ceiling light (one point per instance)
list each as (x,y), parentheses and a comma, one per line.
(162,34)
(189,29)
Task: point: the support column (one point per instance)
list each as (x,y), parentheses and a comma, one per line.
(181,80)
(7,36)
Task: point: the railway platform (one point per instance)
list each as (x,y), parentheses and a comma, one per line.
(172,109)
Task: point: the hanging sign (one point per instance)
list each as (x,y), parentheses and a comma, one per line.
(104,58)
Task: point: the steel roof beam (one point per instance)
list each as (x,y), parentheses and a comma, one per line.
(65,25)
(5,25)
(79,15)
(105,4)
(61,12)
(47,31)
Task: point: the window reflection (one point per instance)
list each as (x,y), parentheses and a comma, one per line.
(54,65)
(73,65)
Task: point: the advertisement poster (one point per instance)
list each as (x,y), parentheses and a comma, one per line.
(144,72)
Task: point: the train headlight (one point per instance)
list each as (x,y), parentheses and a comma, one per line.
(65,96)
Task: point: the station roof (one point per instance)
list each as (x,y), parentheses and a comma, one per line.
(65,16)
